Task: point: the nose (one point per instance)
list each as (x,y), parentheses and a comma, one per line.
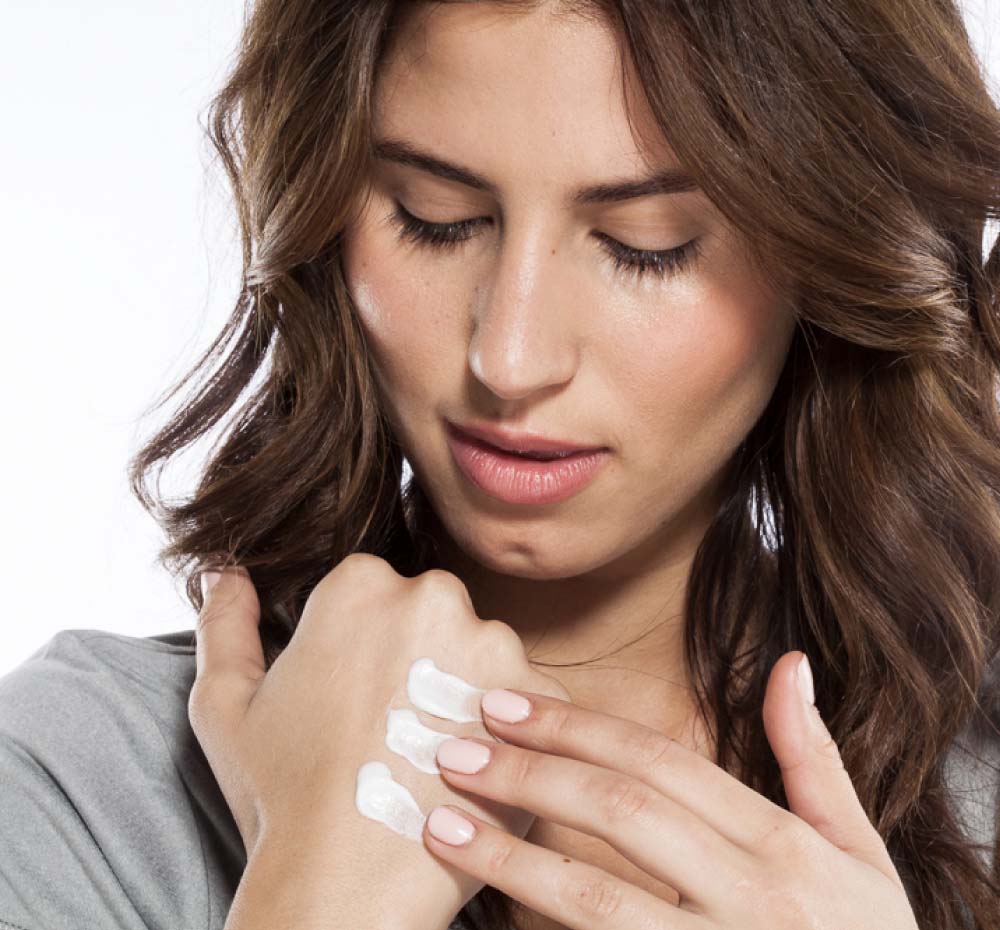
(524,339)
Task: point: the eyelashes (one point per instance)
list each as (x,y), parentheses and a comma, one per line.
(627,261)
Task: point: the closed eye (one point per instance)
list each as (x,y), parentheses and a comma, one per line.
(627,260)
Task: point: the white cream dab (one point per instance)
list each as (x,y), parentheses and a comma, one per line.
(382,798)
(406,735)
(379,796)
(443,695)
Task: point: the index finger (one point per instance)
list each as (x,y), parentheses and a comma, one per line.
(228,646)
(736,811)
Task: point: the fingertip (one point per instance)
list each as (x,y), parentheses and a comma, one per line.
(208,578)
(446,824)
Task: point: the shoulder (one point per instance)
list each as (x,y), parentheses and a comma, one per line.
(109,816)
(78,672)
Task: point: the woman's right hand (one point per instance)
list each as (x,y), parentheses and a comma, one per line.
(285,746)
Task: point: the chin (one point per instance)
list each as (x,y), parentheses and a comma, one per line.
(525,553)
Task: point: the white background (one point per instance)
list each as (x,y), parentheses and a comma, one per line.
(119,262)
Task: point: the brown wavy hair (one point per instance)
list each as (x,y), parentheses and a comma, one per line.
(856,146)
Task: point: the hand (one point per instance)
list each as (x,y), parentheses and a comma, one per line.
(737,860)
(285,746)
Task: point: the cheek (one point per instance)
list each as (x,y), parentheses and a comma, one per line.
(704,377)
(403,314)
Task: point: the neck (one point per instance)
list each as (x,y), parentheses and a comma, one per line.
(613,637)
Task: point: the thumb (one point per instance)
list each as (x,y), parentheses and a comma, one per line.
(229,656)
(818,787)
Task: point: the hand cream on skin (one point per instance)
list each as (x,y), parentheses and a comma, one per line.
(408,737)
(380,797)
(443,695)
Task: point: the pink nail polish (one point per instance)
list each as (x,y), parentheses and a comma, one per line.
(208,579)
(463,755)
(449,827)
(805,680)
(506,705)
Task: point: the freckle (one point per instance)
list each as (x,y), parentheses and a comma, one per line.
(565,860)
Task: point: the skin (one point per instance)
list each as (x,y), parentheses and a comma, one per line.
(737,860)
(528,323)
(733,859)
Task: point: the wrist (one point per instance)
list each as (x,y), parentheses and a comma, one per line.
(295,879)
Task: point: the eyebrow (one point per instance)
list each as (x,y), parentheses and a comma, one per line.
(667,181)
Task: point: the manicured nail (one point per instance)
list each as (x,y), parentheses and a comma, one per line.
(449,827)
(805,680)
(463,755)
(208,579)
(506,705)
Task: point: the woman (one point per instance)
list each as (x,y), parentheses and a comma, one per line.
(730,256)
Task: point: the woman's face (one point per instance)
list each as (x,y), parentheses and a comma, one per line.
(528,322)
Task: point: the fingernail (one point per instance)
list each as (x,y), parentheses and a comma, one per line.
(208,579)
(506,705)
(449,827)
(805,680)
(463,755)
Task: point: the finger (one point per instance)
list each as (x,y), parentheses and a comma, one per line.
(574,894)
(229,656)
(818,787)
(660,836)
(722,801)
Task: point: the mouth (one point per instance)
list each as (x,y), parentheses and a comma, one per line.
(524,454)
(536,456)
(527,445)
(527,477)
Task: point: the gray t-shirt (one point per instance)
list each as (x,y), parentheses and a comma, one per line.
(110,817)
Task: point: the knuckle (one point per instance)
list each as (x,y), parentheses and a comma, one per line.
(201,697)
(786,839)
(498,855)
(438,584)
(650,748)
(521,768)
(593,898)
(621,797)
(362,561)
(355,571)
(557,724)
(502,637)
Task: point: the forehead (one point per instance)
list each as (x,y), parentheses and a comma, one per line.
(530,97)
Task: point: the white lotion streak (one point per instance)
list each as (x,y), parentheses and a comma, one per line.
(406,735)
(381,798)
(441,694)
(378,796)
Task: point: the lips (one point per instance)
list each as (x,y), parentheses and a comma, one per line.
(529,445)
(518,479)
(540,456)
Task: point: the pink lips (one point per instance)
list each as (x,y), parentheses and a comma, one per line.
(514,479)
(510,441)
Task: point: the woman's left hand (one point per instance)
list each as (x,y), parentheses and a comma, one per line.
(737,860)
